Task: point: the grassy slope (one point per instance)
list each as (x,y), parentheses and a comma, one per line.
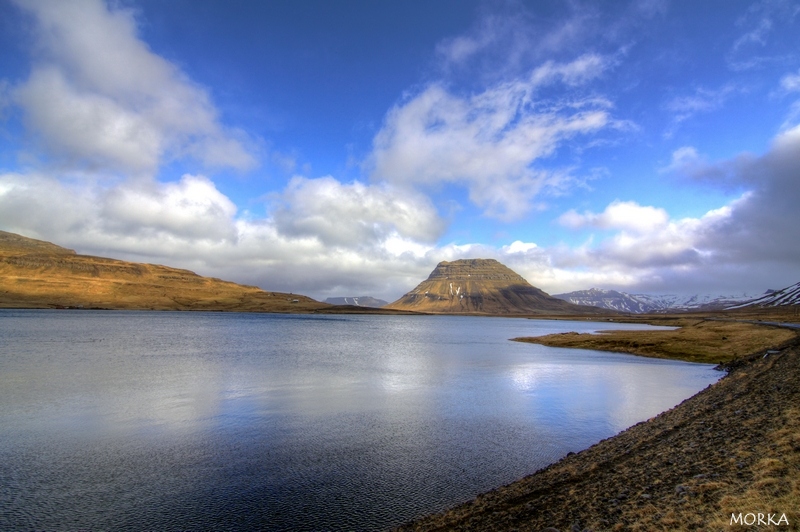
(36,274)
(697,340)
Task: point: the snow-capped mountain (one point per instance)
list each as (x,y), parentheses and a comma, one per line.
(775,298)
(644,303)
(608,299)
(362,301)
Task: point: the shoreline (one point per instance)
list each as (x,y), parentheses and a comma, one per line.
(699,339)
(732,448)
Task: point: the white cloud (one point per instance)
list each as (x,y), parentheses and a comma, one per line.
(519,246)
(100,101)
(625,215)
(684,159)
(98,96)
(750,244)
(489,141)
(323,235)
(192,208)
(354,215)
(791,82)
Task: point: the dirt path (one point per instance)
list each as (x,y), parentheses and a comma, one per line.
(732,449)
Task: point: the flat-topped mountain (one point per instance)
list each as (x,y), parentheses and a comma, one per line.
(482,286)
(38,274)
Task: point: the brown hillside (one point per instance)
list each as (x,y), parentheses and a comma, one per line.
(37,274)
(482,286)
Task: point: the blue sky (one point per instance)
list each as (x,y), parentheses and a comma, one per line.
(345,148)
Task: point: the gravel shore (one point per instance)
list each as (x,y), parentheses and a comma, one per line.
(734,448)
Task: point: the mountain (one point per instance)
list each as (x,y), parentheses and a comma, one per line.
(647,303)
(482,286)
(774,298)
(363,301)
(608,299)
(38,274)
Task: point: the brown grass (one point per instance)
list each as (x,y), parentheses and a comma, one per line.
(697,340)
(776,478)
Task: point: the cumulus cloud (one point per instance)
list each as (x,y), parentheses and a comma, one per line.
(748,244)
(192,208)
(766,227)
(355,215)
(334,236)
(625,215)
(489,141)
(107,113)
(100,102)
(98,96)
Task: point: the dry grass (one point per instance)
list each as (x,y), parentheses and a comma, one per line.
(775,486)
(37,274)
(697,340)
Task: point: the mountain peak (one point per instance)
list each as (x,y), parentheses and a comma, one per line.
(480,286)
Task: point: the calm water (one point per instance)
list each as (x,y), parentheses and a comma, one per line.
(115,420)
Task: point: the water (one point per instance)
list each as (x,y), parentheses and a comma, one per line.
(138,420)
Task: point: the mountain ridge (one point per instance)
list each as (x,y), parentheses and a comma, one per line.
(774,298)
(649,303)
(39,274)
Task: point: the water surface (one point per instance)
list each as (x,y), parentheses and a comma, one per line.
(145,420)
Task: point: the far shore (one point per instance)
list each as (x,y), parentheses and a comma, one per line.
(696,339)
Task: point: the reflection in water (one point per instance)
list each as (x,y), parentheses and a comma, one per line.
(184,420)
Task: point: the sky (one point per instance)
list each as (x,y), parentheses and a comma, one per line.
(345,148)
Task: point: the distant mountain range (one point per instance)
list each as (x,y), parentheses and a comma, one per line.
(361,301)
(647,303)
(775,298)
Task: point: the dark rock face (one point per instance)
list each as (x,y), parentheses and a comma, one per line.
(481,286)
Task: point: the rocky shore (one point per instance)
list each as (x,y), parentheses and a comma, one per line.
(724,459)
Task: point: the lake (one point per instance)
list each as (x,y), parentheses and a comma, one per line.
(225,421)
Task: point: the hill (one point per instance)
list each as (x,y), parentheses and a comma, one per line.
(482,286)
(38,274)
